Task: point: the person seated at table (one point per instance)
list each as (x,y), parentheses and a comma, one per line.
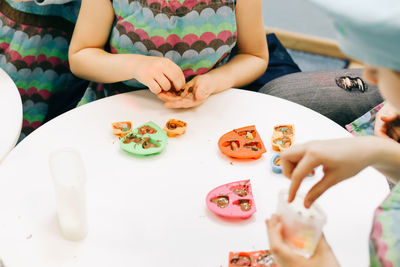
(372,35)
(34,40)
(168,46)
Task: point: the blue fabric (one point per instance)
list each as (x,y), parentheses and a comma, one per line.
(68,11)
(280,63)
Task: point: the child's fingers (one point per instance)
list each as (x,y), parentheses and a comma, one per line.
(329,179)
(389,117)
(290,158)
(201,92)
(277,246)
(294,154)
(168,96)
(303,168)
(154,87)
(287,167)
(380,129)
(164,83)
(274,233)
(183,103)
(176,77)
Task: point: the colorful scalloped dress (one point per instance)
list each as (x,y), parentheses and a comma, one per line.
(385,234)
(34,43)
(198,35)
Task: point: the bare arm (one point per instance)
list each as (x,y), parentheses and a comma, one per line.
(341,159)
(86,53)
(253,49)
(387,159)
(89,60)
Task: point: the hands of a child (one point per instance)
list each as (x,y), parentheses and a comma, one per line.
(200,88)
(341,159)
(284,255)
(385,123)
(159,74)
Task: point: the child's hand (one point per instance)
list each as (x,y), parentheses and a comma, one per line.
(284,255)
(159,74)
(386,123)
(341,159)
(200,88)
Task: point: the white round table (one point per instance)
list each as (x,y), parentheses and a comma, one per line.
(151,211)
(10,114)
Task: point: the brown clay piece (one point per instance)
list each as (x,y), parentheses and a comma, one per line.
(255,146)
(145,142)
(245,204)
(146,130)
(277,161)
(221,201)
(233,144)
(241,259)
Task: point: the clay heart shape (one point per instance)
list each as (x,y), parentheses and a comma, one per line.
(242,143)
(147,139)
(261,258)
(234,200)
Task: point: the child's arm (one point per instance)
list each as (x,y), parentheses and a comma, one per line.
(341,159)
(252,59)
(89,60)
(250,63)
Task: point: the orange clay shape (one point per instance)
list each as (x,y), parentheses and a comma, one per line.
(242,143)
(175,127)
(281,144)
(122,128)
(282,137)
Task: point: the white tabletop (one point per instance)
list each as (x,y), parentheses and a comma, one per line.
(10,114)
(151,211)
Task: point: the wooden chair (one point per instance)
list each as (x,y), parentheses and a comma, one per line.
(312,44)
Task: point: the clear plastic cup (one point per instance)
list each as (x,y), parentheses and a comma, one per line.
(69,176)
(302,228)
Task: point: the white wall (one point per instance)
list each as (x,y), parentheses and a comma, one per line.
(298,16)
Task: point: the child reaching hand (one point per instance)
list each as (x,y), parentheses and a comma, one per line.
(372,35)
(163,44)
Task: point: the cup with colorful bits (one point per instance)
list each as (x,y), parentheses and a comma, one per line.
(302,228)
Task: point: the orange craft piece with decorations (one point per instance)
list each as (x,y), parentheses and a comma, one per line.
(121,128)
(282,137)
(262,258)
(175,127)
(242,143)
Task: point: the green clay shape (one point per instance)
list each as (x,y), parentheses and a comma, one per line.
(159,138)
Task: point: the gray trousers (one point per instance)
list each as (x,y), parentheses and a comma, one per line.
(318,91)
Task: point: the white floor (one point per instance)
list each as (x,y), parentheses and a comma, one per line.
(298,16)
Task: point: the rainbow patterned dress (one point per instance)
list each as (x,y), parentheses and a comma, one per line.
(34,43)
(385,234)
(197,35)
